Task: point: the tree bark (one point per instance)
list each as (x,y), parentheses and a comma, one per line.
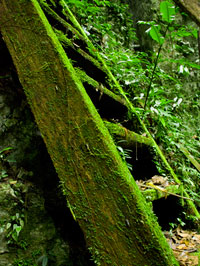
(119,227)
(191,7)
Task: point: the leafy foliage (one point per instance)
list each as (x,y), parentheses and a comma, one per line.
(13,228)
(125,154)
(3,153)
(168,11)
(105,22)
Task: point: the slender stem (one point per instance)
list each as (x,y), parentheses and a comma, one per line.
(154,69)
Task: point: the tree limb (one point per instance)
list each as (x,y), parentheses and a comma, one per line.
(129,138)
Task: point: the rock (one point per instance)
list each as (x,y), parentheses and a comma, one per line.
(38,235)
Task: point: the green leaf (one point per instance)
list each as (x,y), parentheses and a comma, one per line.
(18,230)
(141,22)
(155,34)
(6,149)
(168,11)
(14,236)
(14,227)
(8,225)
(195,33)
(162,120)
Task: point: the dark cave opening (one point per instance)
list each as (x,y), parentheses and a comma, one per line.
(167,211)
(143,167)
(106,106)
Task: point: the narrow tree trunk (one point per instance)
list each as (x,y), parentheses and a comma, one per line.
(191,7)
(119,227)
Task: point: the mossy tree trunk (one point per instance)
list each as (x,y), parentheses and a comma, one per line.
(119,227)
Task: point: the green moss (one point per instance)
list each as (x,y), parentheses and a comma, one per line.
(85,78)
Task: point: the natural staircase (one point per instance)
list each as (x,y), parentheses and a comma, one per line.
(92,71)
(102,195)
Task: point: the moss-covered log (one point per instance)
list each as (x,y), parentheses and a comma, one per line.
(129,137)
(119,227)
(152,194)
(99,87)
(61,21)
(66,42)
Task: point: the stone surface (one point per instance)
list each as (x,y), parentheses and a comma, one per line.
(38,237)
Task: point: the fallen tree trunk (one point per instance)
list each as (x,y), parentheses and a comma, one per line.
(119,227)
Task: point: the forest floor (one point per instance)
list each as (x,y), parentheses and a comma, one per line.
(184,243)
